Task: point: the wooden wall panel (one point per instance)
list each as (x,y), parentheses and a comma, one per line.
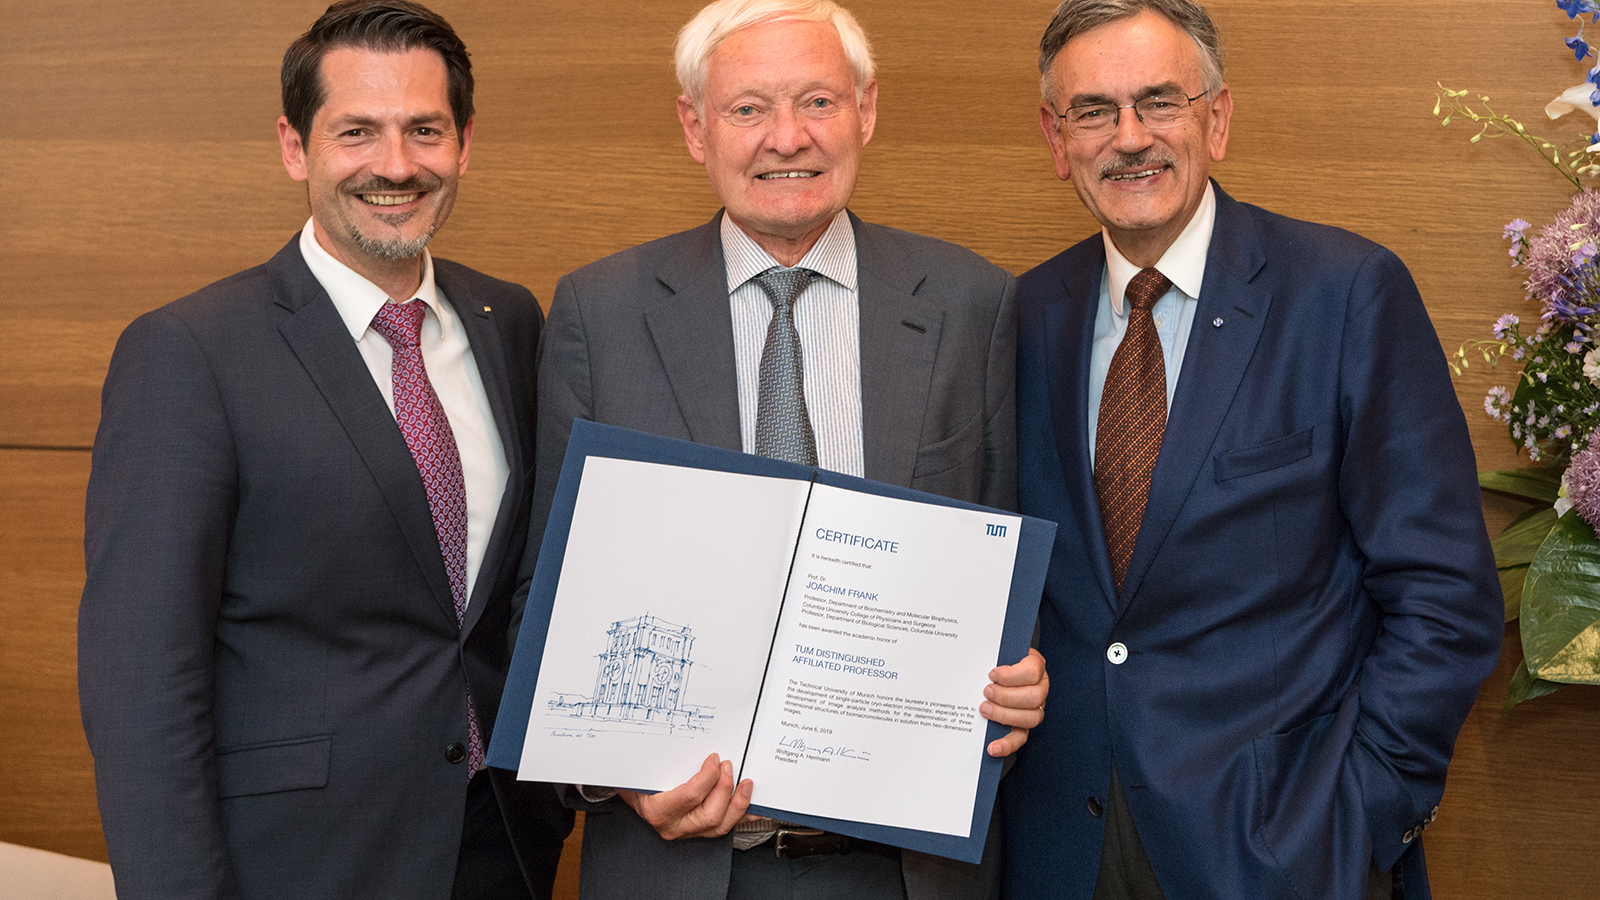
(46,775)
(141,163)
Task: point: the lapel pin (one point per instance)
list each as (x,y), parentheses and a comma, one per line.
(486,309)
(1217,322)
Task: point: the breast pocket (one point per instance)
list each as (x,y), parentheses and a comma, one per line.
(1263,457)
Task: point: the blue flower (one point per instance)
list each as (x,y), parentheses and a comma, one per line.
(1579,48)
(1575,8)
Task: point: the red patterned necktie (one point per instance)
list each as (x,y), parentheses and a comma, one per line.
(433,446)
(1133,414)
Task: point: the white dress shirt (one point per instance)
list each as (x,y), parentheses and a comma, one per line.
(827,316)
(452,371)
(1184,264)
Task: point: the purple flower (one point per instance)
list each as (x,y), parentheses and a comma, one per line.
(1495,403)
(1583,482)
(1550,264)
(1503,324)
(1516,227)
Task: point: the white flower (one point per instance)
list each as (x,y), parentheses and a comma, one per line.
(1591,366)
(1575,99)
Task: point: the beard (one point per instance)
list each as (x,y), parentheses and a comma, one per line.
(394,249)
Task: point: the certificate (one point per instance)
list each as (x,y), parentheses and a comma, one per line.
(829,635)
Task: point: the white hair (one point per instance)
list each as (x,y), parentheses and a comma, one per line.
(713,24)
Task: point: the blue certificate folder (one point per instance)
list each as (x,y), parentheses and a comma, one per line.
(591,439)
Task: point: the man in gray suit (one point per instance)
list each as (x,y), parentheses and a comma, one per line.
(305,518)
(786,327)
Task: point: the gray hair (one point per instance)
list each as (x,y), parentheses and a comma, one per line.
(712,25)
(1074,17)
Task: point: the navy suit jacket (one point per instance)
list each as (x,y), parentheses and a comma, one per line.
(1311,603)
(269,662)
(644,339)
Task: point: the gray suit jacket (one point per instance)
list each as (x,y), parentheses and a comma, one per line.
(644,339)
(269,662)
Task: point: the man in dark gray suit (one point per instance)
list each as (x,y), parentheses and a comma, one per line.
(305,518)
(786,327)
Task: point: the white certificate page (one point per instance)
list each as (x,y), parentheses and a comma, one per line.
(892,623)
(669,593)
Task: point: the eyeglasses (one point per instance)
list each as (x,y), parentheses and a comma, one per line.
(1158,111)
(747,115)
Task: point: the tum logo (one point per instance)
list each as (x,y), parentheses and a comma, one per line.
(995,530)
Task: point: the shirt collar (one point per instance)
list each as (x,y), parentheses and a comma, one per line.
(356,298)
(1184,263)
(833,256)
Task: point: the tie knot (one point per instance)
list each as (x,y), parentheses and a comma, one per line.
(1146,288)
(400,323)
(784,285)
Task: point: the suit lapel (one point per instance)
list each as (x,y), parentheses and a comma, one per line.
(477,319)
(899,342)
(693,334)
(1069,338)
(1213,368)
(321,342)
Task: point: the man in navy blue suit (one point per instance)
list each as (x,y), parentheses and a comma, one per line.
(1272,599)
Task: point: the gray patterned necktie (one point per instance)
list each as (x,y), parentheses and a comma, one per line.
(783,428)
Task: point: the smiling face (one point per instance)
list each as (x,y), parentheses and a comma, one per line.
(381,162)
(1142,185)
(784,178)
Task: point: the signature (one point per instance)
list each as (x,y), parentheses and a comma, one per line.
(799,745)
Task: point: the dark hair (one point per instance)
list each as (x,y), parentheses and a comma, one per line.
(1074,17)
(385,26)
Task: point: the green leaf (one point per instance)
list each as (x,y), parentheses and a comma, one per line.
(1517,545)
(1542,483)
(1561,606)
(1511,578)
(1526,687)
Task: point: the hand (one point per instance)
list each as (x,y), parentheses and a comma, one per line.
(707,805)
(1016,698)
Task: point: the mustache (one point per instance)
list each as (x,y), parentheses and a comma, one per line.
(417,183)
(1147,159)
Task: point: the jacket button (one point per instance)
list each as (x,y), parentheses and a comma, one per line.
(1095,809)
(1117,653)
(455,753)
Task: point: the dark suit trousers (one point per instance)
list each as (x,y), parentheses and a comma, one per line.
(487,868)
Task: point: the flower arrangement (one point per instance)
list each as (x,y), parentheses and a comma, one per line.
(1549,560)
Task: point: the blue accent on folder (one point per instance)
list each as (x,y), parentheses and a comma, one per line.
(593,439)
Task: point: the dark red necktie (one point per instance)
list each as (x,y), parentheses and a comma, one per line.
(433,447)
(1133,415)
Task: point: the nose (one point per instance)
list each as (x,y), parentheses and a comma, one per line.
(787,134)
(1131,135)
(392,159)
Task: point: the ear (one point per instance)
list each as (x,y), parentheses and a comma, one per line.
(1221,115)
(466,147)
(694,129)
(1050,124)
(294,151)
(868,110)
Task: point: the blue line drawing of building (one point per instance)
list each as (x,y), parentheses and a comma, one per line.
(642,676)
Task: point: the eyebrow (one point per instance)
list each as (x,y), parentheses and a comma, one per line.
(1165,87)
